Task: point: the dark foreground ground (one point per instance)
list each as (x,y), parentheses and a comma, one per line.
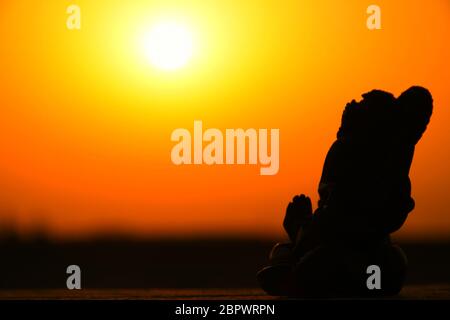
(222,268)
(411,292)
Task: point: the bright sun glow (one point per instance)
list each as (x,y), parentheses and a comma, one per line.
(168,45)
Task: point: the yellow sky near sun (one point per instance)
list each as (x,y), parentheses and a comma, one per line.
(85,120)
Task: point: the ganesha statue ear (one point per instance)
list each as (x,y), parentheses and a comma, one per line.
(416,108)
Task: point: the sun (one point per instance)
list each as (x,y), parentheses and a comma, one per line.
(168,45)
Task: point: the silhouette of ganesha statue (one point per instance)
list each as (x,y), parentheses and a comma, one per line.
(364,196)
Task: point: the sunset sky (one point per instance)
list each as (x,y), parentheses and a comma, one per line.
(86,118)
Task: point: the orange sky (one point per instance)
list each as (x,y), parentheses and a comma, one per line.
(85,121)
